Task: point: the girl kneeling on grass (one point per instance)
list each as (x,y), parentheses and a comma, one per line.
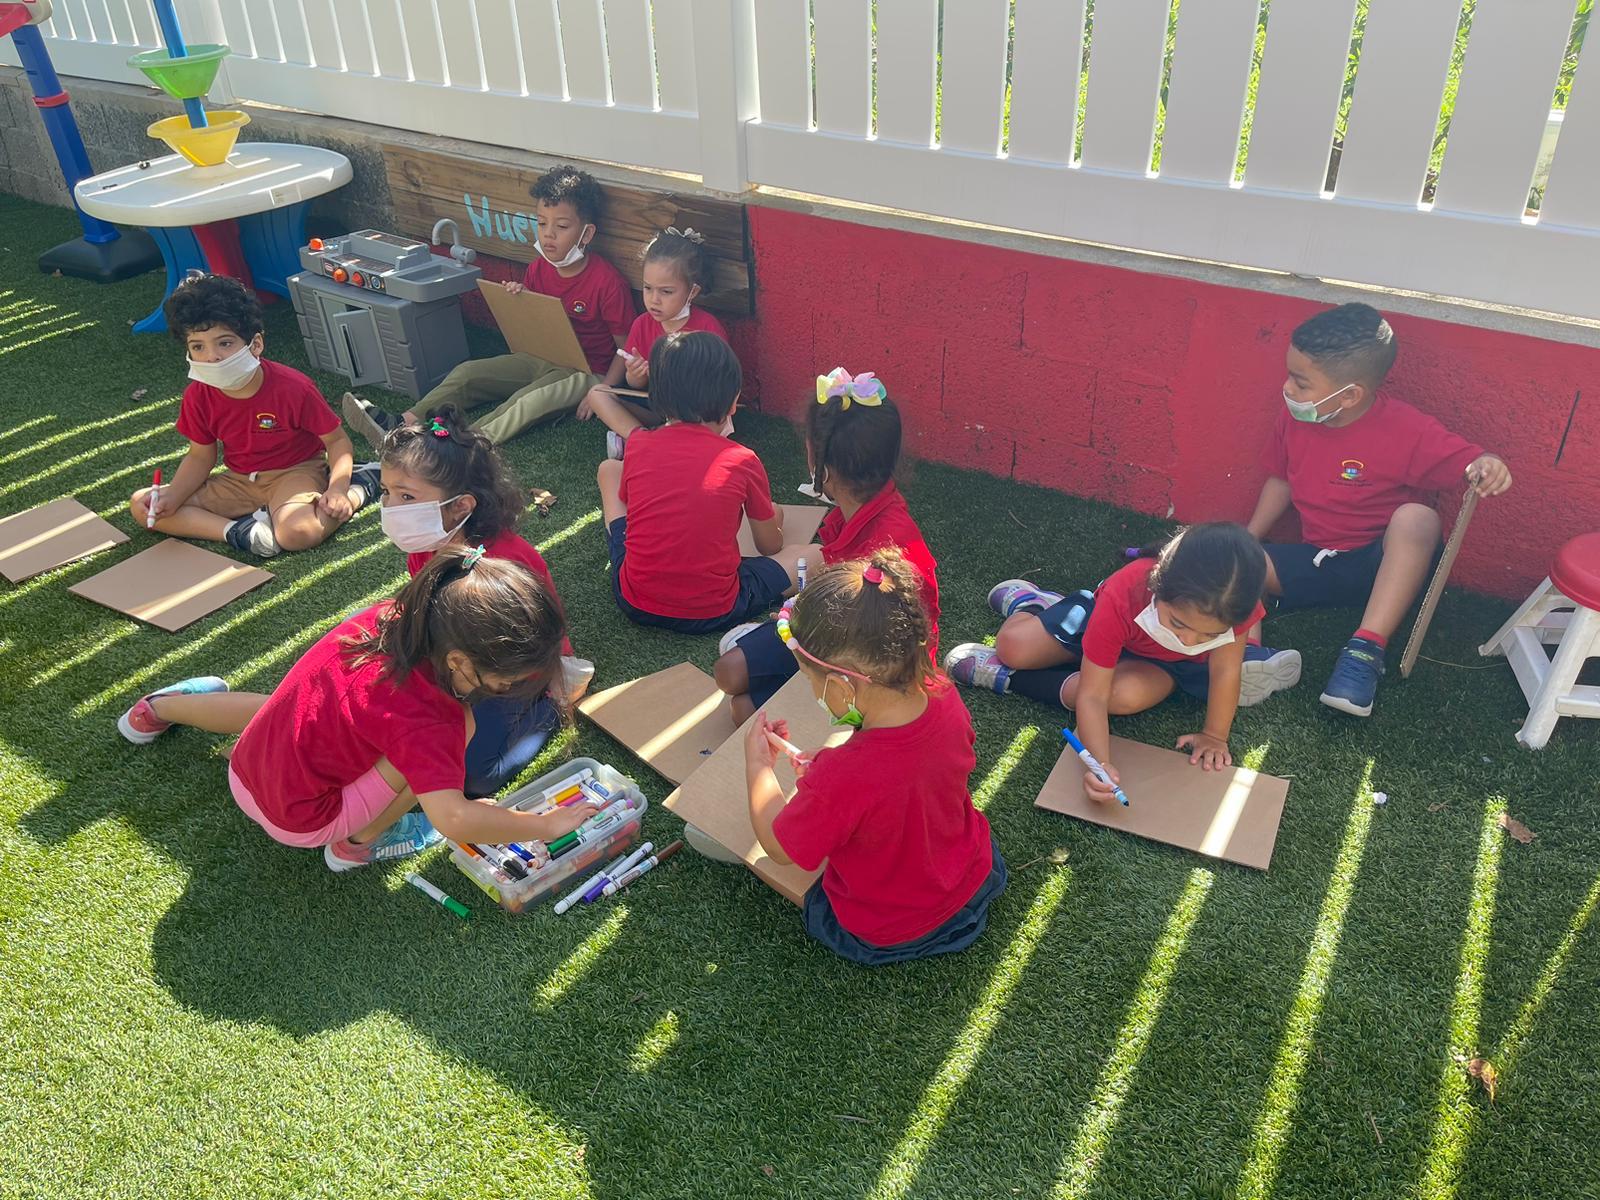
(911,864)
(375,719)
(1176,618)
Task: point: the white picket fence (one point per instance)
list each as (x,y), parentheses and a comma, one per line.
(844,99)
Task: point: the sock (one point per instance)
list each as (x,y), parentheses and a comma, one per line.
(1043,685)
(1378,640)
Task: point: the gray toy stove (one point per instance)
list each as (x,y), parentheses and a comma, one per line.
(382,309)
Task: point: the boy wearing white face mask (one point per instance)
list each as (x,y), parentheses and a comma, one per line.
(1175,619)
(1361,468)
(287,480)
(525,389)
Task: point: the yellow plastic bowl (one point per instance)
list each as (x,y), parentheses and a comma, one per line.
(207,147)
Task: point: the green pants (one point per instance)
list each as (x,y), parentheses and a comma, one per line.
(526,389)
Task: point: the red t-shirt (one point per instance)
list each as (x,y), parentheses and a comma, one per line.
(1112,632)
(511,546)
(890,812)
(597,301)
(646,329)
(281,425)
(884,521)
(328,723)
(1346,482)
(686,488)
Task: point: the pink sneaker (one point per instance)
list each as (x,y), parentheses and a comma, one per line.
(140,724)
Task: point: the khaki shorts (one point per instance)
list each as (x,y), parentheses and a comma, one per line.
(230,494)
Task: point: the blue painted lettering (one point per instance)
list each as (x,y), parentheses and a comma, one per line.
(480,223)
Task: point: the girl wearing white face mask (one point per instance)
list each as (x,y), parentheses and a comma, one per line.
(1175,619)
(445,484)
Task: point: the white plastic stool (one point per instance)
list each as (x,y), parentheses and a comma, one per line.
(1564,611)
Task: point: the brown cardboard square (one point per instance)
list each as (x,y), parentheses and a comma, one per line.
(800,523)
(1231,815)
(50,536)
(535,324)
(673,719)
(716,800)
(171,584)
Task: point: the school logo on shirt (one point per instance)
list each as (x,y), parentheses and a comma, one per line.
(579,308)
(1350,471)
(267,421)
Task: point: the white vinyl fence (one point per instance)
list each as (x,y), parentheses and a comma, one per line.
(1171,126)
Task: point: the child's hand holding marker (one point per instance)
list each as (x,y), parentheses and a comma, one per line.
(1209,751)
(768,739)
(1101,783)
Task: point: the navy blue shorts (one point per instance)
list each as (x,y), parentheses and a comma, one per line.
(959,932)
(1343,579)
(762,583)
(767,661)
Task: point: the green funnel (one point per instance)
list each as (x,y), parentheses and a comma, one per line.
(186,78)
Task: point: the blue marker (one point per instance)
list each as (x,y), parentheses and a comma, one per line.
(1093,764)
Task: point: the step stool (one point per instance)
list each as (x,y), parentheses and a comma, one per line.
(1564,612)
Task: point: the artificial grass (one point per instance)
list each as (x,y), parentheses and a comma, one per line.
(191,1010)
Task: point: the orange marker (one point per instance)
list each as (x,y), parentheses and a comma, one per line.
(150,509)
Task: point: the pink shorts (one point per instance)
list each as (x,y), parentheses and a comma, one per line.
(359,803)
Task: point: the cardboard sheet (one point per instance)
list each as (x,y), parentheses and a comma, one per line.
(536,324)
(800,523)
(1231,815)
(715,799)
(171,584)
(673,719)
(51,535)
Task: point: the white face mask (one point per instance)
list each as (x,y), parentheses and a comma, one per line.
(1306,410)
(1149,620)
(684,315)
(416,528)
(231,374)
(572,256)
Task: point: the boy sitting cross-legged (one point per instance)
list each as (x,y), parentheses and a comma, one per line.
(1361,468)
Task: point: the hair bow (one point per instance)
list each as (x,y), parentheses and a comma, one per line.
(437,429)
(864,388)
(688,233)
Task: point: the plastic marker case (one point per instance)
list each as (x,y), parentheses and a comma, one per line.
(549,881)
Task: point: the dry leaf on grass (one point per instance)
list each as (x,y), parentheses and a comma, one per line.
(139,393)
(542,500)
(1483,1071)
(1516,828)
(768,1170)
(1439,806)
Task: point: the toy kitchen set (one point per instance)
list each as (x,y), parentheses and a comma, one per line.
(382,309)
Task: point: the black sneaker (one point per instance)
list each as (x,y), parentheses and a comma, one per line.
(1354,683)
(365,485)
(370,421)
(253,535)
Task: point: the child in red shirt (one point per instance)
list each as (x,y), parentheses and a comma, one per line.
(1177,618)
(524,388)
(909,866)
(1361,467)
(676,269)
(445,484)
(673,506)
(852,447)
(287,480)
(374,719)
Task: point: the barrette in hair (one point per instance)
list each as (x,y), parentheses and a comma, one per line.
(786,636)
(688,231)
(472,557)
(864,388)
(437,429)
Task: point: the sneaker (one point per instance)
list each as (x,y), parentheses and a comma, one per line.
(615,444)
(1354,682)
(370,421)
(972,664)
(1259,678)
(411,834)
(366,485)
(731,638)
(253,535)
(1018,595)
(701,841)
(140,724)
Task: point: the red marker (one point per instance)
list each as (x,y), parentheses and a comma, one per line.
(150,509)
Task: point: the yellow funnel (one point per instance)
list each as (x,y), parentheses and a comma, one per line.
(206,147)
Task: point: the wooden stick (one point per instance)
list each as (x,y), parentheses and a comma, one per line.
(1441,575)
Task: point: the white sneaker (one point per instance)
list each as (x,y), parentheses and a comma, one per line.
(1259,679)
(734,634)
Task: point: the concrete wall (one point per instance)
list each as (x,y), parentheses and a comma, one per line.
(1147,383)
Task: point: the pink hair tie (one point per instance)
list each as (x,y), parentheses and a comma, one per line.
(872,575)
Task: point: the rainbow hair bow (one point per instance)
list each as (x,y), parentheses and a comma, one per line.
(864,388)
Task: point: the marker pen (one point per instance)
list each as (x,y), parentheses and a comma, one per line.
(150,508)
(595,827)
(800,574)
(643,868)
(506,861)
(534,854)
(783,745)
(597,886)
(1093,764)
(472,851)
(427,889)
(576,893)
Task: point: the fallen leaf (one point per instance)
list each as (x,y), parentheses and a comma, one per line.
(768,1170)
(542,500)
(1483,1071)
(1516,828)
(139,393)
(1439,807)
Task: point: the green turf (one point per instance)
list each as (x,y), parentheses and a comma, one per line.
(189,1010)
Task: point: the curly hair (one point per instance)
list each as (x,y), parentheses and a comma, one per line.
(1353,340)
(204,301)
(454,457)
(568,185)
(879,629)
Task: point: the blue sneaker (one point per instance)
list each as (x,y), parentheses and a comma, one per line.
(972,664)
(411,834)
(141,726)
(1018,595)
(1354,682)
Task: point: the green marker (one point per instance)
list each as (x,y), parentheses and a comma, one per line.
(422,885)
